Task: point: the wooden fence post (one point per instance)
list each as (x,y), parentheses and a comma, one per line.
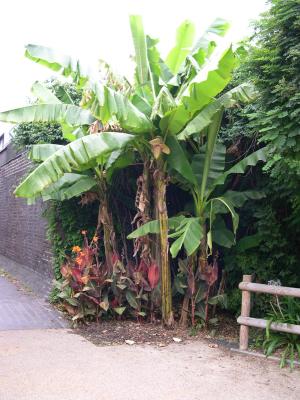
(245,312)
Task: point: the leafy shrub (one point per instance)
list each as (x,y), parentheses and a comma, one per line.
(283,311)
(90,290)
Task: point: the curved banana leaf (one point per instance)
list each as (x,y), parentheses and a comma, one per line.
(201,91)
(216,166)
(239,198)
(40,152)
(68,186)
(178,160)
(239,168)
(60,113)
(188,234)
(107,104)
(79,155)
(227,203)
(221,235)
(44,94)
(184,40)
(57,62)
(243,93)
(118,160)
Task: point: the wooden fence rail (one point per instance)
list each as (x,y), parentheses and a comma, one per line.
(245,320)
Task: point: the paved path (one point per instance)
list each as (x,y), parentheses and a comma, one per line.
(55,364)
(20,310)
(59,365)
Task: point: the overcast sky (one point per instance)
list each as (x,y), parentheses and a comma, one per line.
(93,29)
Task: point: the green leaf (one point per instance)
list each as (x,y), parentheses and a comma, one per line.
(189,234)
(221,235)
(130,297)
(153,227)
(178,160)
(118,160)
(57,62)
(44,94)
(69,186)
(240,167)
(119,310)
(78,155)
(215,167)
(229,206)
(212,133)
(107,104)
(201,91)
(239,198)
(139,41)
(243,93)
(184,39)
(40,152)
(249,242)
(60,113)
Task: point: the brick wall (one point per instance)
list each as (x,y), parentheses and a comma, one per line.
(22,228)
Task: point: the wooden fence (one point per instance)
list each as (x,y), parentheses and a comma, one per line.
(245,320)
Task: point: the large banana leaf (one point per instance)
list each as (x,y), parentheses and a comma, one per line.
(60,113)
(68,186)
(79,155)
(239,168)
(210,147)
(44,94)
(141,54)
(243,93)
(239,198)
(201,91)
(178,161)
(40,152)
(201,51)
(216,166)
(108,104)
(184,40)
(57,62)
(221,235)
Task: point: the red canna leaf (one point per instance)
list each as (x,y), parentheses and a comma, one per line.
(153,275)
(76,273)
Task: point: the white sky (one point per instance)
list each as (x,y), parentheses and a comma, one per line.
(93,29)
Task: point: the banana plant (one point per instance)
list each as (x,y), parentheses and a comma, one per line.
(170,100)
(206,182)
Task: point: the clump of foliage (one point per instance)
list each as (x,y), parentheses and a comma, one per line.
(167,121)
(283,311)
(90,288)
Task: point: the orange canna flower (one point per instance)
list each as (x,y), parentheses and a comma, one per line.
(76,249)
(83,232)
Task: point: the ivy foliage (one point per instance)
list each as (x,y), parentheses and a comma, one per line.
(269,243)
(66,219)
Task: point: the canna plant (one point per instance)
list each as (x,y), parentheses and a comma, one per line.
(179,99)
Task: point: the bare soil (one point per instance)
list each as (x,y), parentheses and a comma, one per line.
(107,333)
